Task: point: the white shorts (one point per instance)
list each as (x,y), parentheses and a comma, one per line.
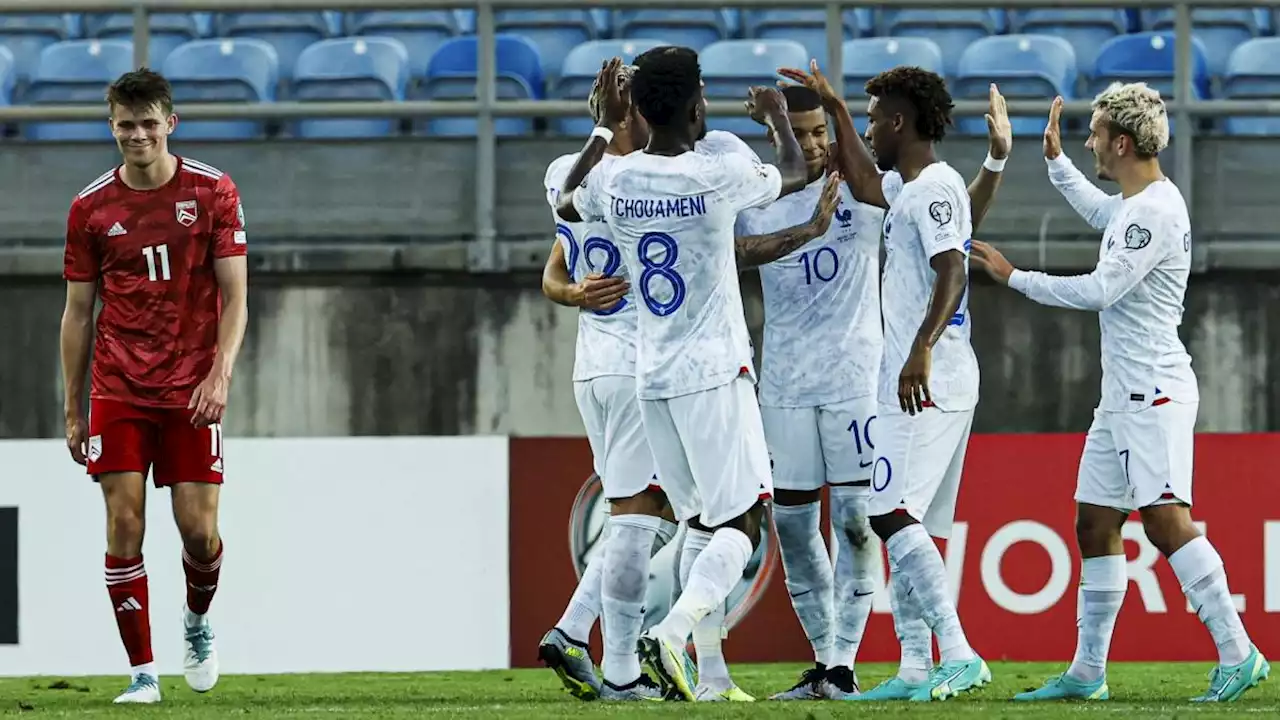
(810,446)
(710,451)
(1135,460)
(621,452)
(919,460)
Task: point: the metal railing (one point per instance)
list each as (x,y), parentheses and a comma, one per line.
(486,107)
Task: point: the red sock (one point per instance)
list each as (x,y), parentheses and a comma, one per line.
(127,585)
(202,580)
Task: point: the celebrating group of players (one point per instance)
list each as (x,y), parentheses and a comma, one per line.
(869,380)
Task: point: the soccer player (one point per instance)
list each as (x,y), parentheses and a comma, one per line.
(1138,453)
(929,373)
(161,240)
(672,211)
(822,347)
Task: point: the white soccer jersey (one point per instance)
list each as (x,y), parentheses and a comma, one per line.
(1138,288)
(606,339)
(673,218)
(822,334)
(720,142)
(927,216)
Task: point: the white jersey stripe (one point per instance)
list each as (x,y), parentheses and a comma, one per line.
(203,166)
(199,171)
(103,180)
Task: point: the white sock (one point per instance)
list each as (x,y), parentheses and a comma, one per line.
(1204,580)
(708,634)
(626,578)
(1103,582)
(584,606)
(807,567)
(712,576)
(920,564)
(144,669)
(914,637)
(666,533)
(855,556)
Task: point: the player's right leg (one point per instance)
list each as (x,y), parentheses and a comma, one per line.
(914,487)
(721,436)
(795,454)
(121,442)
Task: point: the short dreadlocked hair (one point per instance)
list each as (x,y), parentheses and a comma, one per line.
(140,89)
(666,80)
(801,99)
(924,91)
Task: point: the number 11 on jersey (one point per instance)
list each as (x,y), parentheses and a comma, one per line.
(157,262)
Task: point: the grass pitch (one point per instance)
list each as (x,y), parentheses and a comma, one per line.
(1138,691)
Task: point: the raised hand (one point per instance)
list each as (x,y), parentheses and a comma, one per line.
(617,93)
(813,79)
(1052,133)
(764,103)
(999,130)
(827,203)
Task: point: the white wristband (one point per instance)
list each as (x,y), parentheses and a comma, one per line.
(993,164)
(603,132)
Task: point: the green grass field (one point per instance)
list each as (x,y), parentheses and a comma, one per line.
(1138,691)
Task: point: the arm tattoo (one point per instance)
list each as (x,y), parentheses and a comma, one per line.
(753,250)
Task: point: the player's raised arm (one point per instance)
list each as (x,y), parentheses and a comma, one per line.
(1091,202)
(754,250)
(982,191)
(231,270)
(81,266)
(855,160)
(769,107)
(617,106)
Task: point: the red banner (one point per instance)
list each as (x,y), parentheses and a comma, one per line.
(1012,558)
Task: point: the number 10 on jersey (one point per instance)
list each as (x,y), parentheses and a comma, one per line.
(157,262)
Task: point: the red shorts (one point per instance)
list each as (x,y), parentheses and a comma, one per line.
(133,438)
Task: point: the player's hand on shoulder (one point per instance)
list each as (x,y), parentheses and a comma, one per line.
(765,103)
(602,293)
(999,129)
(1053,133)
(209,401)
(913,381)
(828,202)
(813,79)
(77,436)
(990,260)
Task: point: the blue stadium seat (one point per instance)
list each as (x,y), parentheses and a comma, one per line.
(358,68)
(288,33)
(729,67)
(421,31)
(76,72)
(806,26)
(578,74)
(865,58)
(452,76)
(27,35)
(1253,72)
(1024,66)
(223,70)
(553,32)
(1085,28)
(953,30)
(1148,57)
(1221,31)
(8,76)
(690,28)
(168,31)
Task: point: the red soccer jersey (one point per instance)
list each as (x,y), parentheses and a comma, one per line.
(151,253)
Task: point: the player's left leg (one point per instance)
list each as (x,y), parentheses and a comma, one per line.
(190,462)
(1159,441)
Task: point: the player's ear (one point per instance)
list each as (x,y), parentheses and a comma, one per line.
(171,124)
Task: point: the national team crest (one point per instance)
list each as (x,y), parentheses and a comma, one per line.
(187,212)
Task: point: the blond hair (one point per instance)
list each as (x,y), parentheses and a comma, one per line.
(595,103)
(1138,111)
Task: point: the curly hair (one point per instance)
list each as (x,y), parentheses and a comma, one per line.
(141,89)
(924,91)
(666,81)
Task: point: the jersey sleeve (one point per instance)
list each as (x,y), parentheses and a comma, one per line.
(1087,199)
(589,198)
(229,239)
(1148,236)
(746,223)
(720,142)
(890,186)
(80,260)
(748,183)
(935,212)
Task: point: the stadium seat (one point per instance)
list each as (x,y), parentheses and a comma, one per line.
(1148,57)
(865,58)
(1085,28)
(421,31)
(225,70)
(27,35)
(1221,31)
(806,26)
(8,76)
(729,67)
(288,33)
(578,74)
(952,30)
(690,28)
(168,31)
(75,72)
(451,75)
(359,68)
(1253,73)
(1025,67)
(553,32)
